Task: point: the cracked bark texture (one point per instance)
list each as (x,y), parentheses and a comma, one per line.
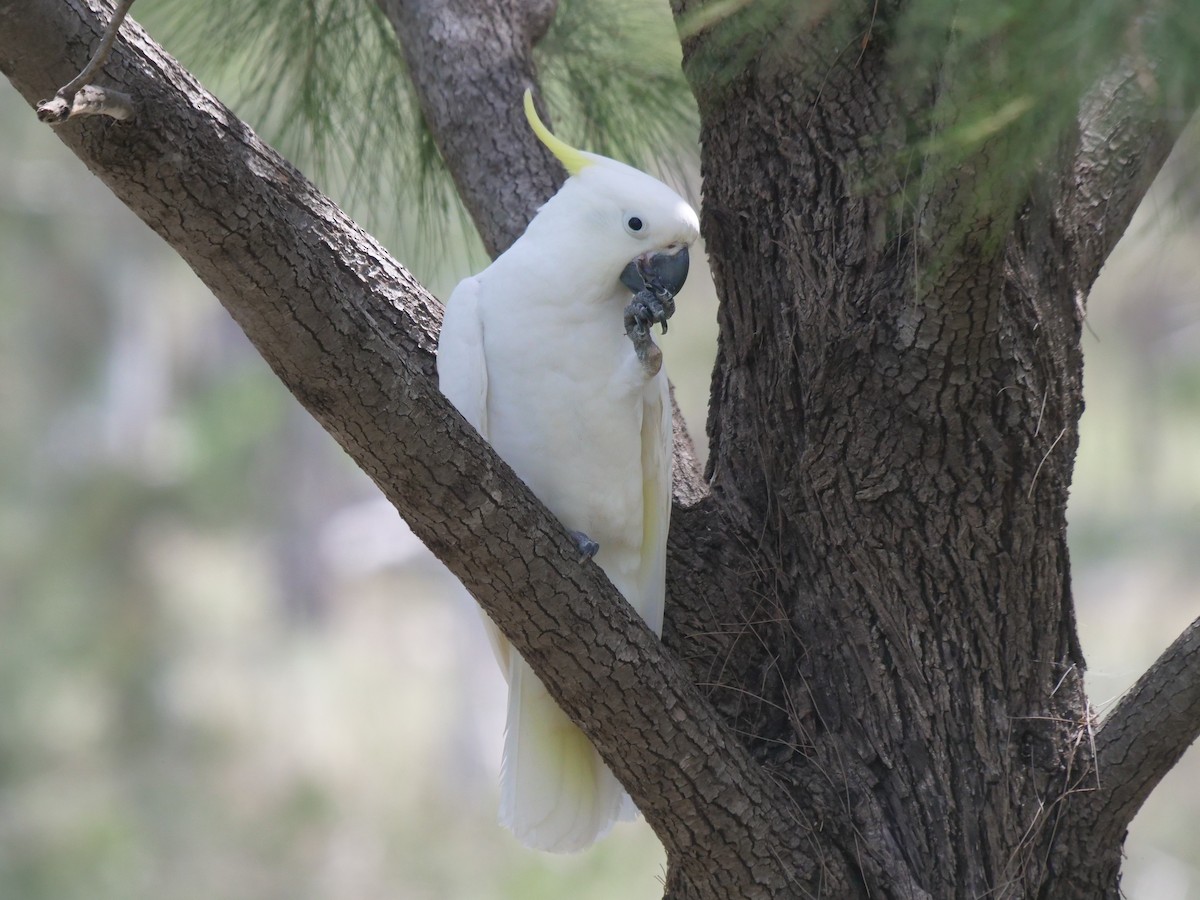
(893,427)
(870,683)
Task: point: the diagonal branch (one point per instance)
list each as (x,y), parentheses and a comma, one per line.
(1146,733)
(350,333)
(1124,136)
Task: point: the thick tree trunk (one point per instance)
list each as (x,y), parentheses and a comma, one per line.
(872,588)
(893,428)
(897,432)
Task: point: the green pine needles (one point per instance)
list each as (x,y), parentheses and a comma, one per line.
(984,87)
(325,82)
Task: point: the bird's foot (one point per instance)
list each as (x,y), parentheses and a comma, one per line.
(647,307)
(587,547)
(655,302)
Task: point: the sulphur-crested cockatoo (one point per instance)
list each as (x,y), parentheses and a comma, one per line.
(547,352)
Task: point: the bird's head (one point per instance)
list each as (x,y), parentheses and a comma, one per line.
(627,221)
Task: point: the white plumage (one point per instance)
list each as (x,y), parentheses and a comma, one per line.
(533,352)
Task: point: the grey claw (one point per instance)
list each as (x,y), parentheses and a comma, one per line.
(587,547)
(647,307)
(653,303)
(660,300)
(638,319)
(668,304)
(657,313)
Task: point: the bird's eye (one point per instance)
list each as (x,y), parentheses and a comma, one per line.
(634,225)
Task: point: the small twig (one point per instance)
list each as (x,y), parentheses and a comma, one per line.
(78,98)
(1038,470)
(90,100)
(101,55)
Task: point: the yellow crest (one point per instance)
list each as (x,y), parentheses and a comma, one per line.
(573,160)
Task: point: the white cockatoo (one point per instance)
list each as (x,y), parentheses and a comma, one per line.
(549,356)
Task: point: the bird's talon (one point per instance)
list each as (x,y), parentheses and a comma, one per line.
(587,547)
(638,319)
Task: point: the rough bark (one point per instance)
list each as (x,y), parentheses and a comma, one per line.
(1118,149)
(1138,742)
(872,589)
(894,429)
(1146,732)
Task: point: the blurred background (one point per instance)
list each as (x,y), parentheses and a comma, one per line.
(228,669)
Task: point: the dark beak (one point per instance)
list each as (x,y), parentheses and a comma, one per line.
(662,270)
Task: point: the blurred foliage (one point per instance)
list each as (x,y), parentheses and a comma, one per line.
(985,87)
(173,722)
(1008,80)
(325,81)
(985,92)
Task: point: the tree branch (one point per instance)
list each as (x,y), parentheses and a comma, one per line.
(471,61)
(77,97)
(351,334)
(1124,137)
(1146,733)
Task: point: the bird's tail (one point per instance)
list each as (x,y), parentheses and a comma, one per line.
(556,793)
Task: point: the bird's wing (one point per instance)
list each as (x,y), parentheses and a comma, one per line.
(461,364)
(462,377)
(656,501)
